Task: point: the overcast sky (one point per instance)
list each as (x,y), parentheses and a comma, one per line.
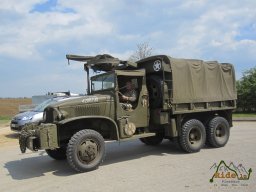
(35,36)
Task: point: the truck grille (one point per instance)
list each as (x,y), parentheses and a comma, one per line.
(87,110)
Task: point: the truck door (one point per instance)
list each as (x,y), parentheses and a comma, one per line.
(131,115)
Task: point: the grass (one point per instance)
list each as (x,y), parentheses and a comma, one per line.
(244,115)
(4,119)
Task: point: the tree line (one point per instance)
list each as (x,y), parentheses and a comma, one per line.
(246,91)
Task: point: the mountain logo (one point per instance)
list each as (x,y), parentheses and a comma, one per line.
(231,171)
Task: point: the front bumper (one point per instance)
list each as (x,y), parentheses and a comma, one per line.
(35,137)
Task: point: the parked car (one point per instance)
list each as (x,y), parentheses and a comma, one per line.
(34,116)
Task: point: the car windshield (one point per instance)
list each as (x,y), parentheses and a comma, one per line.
(103,82)
(42,106)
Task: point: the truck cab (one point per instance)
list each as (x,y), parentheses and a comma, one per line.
(131,121)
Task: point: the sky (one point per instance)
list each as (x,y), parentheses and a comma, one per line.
(35,36)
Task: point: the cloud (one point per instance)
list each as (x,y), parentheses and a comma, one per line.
(35,35)
(33,29)
(214,32)
(19,6)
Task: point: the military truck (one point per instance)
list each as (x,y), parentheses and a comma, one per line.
(185,100)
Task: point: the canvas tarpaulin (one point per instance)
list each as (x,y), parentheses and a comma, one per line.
(199,81)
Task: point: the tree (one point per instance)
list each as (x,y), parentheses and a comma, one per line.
(143,51)
(246,91)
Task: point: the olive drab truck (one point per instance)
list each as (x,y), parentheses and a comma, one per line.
(184,100)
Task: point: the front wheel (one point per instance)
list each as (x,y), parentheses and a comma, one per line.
(192,137)
(86,150)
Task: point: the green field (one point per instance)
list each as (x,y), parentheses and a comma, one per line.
(244,115)
(4,120)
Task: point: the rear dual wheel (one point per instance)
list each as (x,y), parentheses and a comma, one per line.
(194,135)
(218,132)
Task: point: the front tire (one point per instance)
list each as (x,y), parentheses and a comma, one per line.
(86,150)
(57,154)
(218,132)
(192,137)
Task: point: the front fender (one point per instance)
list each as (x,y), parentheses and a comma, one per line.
(92,117)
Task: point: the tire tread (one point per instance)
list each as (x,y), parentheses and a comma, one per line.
(70,148)
(183,136)
(210,131)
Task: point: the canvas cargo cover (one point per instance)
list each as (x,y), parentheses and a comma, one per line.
(199,81)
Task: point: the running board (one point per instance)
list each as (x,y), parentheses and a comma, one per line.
(139,136)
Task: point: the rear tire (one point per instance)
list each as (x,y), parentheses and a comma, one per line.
(192,137)
(86,150)
(218,132)
(57,154)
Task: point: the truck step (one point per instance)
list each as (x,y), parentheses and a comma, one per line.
(138,136)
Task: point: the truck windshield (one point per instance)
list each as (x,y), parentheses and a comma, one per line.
(103,82)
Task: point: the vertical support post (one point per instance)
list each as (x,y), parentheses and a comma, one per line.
(86,68)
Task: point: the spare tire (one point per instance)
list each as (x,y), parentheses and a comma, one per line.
(154,84)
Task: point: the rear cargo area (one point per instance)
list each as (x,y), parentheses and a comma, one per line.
(198,81)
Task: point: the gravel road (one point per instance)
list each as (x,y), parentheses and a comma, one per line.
(133,166)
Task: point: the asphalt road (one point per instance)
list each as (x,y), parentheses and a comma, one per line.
(133,166)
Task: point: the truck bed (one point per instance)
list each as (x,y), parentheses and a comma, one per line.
(194,85)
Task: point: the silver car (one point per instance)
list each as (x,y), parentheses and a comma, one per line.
(34,116)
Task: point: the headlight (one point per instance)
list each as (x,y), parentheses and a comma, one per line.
(64,114)
(25,118)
